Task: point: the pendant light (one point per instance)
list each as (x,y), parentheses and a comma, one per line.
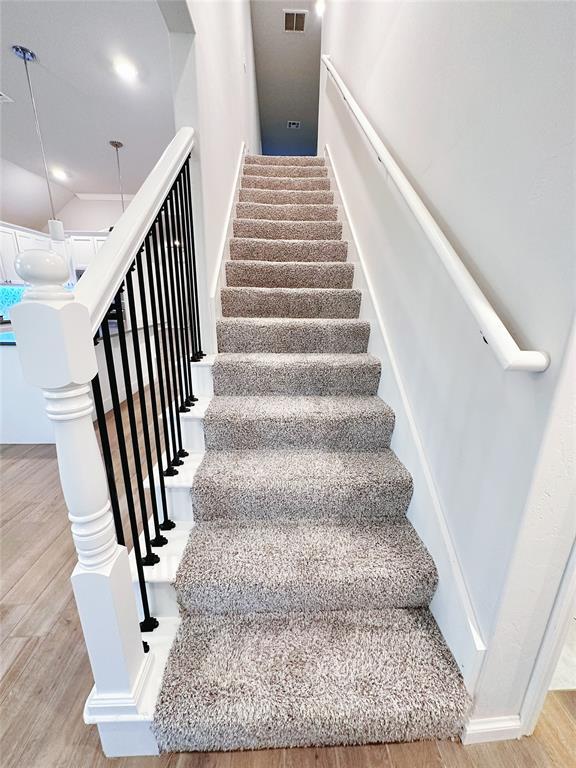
(117,145)
(55,227)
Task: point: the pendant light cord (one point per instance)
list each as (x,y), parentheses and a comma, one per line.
(39,137)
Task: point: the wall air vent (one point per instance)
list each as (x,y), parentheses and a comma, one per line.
(294,21)
(293,124)
(5,99)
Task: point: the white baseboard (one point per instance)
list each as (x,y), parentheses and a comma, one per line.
(217,276)
(122,733)
(483,729)
(451,606)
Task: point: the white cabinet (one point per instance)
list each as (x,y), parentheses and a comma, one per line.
(83,250)
(12,241)
(8,251)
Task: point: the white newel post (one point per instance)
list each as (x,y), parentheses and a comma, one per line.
(54,340)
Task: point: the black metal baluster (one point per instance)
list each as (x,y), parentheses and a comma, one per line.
(172,272)
(107,454)
(199,353)
(149,623)
(164,247)
(150,558)
(185,281)
(195,329)
(166,524)
(159,322)
(180,292)
(158,540)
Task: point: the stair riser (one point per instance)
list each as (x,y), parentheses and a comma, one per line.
(161,598)
(288,230)
(272,182)
(241,378)
(346,434)
(286,196)
(350,339)
(286,171)
(373,594)
(286,212)
(284,160)
(265,274)
(360,503)
(288,250)
(290,302)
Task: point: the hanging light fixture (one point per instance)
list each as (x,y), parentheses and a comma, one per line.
(117,145)
(26,55)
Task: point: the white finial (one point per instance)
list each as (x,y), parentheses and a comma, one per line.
(46,271)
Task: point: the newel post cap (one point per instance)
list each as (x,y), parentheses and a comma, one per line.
(44,270)
(53,331)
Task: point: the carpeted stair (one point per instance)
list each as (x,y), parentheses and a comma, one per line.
(304,589)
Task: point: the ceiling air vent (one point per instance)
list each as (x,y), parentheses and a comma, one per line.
(5,99)
(294,21)
(294,124)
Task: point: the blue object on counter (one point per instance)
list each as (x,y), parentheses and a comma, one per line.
(9,296)
(7,339)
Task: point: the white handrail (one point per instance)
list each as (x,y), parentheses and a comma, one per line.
(508,353)
(99,284)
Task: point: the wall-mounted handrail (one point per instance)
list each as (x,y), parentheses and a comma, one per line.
(103,277)
(507,351)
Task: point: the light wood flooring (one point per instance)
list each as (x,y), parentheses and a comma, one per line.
(45,675)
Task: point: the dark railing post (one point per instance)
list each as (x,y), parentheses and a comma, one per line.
(158,540)
(150,558)
(149,623)
(162,333)
(166,524)
(187,297)
(169,303)
(107,455)
(198,354)
(165,268)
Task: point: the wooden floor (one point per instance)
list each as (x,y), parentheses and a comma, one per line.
(45,676)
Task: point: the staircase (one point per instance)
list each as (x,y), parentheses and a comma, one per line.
(303,589)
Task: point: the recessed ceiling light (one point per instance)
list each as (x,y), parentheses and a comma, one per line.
(59,174)
(125,69)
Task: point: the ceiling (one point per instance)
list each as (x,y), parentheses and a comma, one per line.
(81,102)
(288,76)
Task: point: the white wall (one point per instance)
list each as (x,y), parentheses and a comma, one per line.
(24,197)
(90,215)
(215,92)
(475,101)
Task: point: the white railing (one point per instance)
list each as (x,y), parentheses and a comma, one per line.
(55,331)
(507,351)
(103,278)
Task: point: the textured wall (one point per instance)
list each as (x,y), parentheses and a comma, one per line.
(476,102)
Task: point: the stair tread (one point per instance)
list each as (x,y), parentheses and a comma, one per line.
(287,211)
(305,359)
(341,423)
(290,334)
(307,566)
(301,679)
(284,160)
(285,171)
(272,484)
(285,182)
(252,301)
(243,408)
(272,229)
(286,196)
(281,249)
(289,274)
